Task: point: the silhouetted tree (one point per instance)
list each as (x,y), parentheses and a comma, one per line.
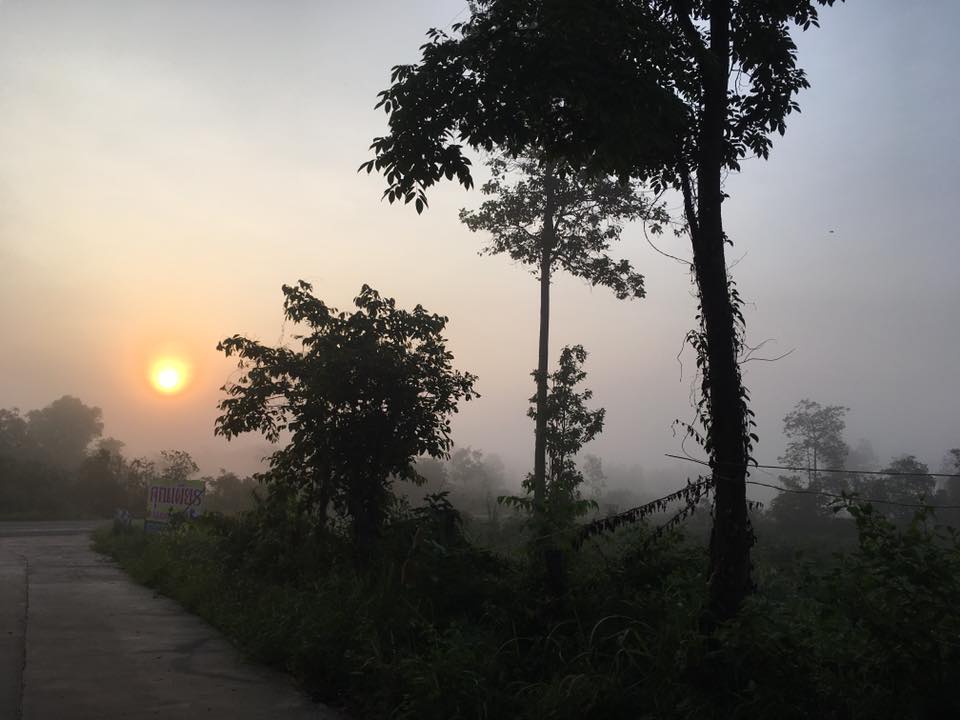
(815,437)
(950,487)
(676,92)
(569,426)
(593,475)
(42,455)
(908,482)
(815,441)
(862,457)
(176,466)
(110,445)
(15,441)
(99,488)
(550,217)
(365,395)
(475,480)
(229,493)
(61,432)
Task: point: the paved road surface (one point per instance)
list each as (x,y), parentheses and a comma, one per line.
(79,641)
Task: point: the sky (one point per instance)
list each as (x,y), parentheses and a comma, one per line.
(166,167)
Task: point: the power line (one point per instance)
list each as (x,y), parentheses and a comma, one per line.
(588,529)
(822,493)
(799,491)
(821,470)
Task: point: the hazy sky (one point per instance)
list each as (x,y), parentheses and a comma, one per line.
(166,166)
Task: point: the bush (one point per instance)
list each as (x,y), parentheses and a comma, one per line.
(435,628)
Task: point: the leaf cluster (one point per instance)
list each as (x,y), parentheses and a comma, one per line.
(570,425)
(364,394)
(613,86)
(587,215)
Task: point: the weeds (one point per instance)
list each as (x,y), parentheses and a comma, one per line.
(437,628)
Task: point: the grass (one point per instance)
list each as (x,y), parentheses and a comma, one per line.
(434,627)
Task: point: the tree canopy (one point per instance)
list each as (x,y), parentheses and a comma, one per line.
(63,430)
(674,92)
(587,214)
(363,396)
(615,86)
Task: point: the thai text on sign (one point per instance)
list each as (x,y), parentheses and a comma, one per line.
(183,497)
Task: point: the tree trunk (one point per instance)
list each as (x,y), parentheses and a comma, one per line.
(540,432)
(552,556)
(731,537)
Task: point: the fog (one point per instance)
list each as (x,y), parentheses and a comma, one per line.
(168,166)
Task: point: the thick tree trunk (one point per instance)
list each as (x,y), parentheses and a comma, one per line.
(731,537)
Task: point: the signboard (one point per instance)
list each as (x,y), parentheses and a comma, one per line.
(167,499)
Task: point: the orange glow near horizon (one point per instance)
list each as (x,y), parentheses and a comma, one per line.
(169,376)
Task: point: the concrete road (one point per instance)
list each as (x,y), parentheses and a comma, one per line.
(80,641)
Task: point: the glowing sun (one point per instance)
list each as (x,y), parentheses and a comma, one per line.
(169,376)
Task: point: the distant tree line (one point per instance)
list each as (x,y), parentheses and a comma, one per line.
(816,445)
(55,464)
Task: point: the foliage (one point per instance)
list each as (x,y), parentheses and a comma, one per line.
(587,214)
(54,464)
(815,435)
(365,394)
(951,464)
(176,466)
(57,435)
(475,482)
(435,628)
(610,85)
(63,430)
(666,91)
(550,216)
(815,440)
(906,481)
(570,425)
(872,634)
(229,493)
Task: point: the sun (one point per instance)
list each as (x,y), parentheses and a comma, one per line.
(169,375)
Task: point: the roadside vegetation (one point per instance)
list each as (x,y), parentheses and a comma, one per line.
(435,626)
(402,578)
(55,465)
(357,574)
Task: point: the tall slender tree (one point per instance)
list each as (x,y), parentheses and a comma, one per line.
(674,92)
(549,217)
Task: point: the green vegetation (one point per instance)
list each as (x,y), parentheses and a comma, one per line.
(54,465)
(397,606)
(357,573)
(671,93)
(549,217)
(365,394)
(437,627)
